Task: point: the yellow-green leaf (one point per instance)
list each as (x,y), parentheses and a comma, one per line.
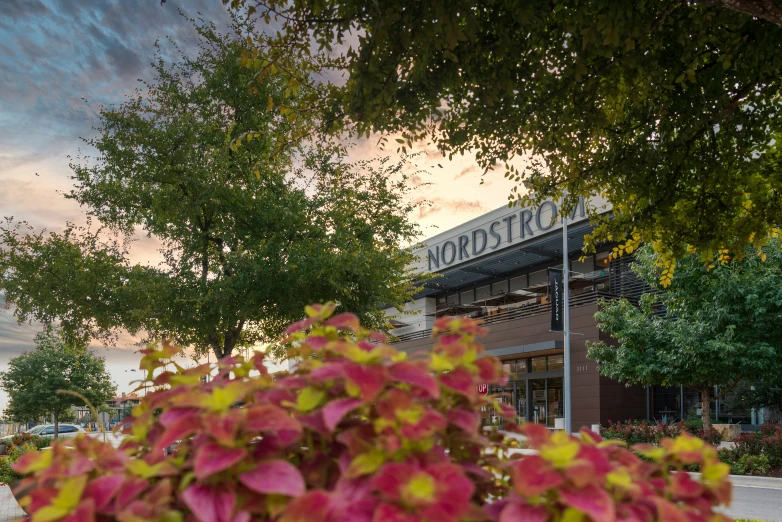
(366,463)
(70,494)
(49,514)
(309,399)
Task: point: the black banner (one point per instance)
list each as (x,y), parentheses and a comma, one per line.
(556,292)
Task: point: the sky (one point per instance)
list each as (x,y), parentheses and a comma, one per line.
(61,59)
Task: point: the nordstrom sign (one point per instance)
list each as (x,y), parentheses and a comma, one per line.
(500,228)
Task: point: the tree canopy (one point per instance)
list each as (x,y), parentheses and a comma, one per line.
(670,109)
(714,325)
(249,235)
(33,379)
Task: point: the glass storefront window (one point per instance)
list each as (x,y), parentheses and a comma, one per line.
(556,406)
(507,397)
(521,366)
(452,299)
(538,364)
(667,407)
(692,404)
(468,297)
(521,400)
(556,362)
(483,292)
(538,388)
(507,367)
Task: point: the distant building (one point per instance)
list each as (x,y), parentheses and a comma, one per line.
(120,407)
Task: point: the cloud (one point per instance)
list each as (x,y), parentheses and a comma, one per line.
(435,205)
(126,64)
(54,55)
(17,9)
(60,60)
(467,170)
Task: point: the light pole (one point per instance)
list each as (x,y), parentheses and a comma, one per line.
(566,321)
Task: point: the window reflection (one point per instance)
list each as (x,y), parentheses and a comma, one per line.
(536,400)
(556,362)
(555,401)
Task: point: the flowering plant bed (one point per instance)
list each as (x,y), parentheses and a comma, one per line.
(18,446)
(634,432)
(756,453)
(358,432)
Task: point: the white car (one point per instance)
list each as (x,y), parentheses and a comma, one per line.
(65,431)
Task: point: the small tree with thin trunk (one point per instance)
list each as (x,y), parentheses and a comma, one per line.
(34,378)
(716,325)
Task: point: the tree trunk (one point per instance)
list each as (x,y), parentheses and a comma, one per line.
(706,408)
(223,346)
(56,424)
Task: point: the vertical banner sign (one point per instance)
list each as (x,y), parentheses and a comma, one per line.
(557,293)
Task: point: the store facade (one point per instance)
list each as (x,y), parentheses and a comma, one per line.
(495,267)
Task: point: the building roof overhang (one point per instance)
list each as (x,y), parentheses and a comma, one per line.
(507,261)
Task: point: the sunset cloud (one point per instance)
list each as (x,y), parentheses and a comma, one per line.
(61,60)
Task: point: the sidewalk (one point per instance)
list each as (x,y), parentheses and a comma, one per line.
(9,509)
(747,481)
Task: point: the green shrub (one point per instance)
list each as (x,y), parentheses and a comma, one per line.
(7,473)
(744,464)
(767,441)
(43,442)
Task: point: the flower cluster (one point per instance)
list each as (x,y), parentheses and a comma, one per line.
(358,432)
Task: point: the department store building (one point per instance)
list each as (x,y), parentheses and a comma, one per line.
(496,267)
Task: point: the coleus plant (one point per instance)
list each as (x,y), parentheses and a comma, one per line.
(358,432)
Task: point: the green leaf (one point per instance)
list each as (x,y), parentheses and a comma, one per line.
(366,463)
(309,398)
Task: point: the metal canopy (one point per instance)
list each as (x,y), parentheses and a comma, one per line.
(507,261)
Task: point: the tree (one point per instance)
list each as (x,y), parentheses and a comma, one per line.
(669,108)
(249,235)
(33,379)
(715,325)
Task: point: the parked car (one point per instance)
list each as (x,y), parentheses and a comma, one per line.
(66,431)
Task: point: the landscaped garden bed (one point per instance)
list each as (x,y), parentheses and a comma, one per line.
(643,432)
(755,453)
(16,447)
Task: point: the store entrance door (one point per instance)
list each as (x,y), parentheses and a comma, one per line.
(539,410)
